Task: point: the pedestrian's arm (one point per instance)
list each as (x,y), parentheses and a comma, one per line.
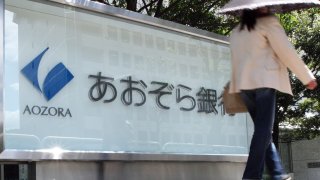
(286,52)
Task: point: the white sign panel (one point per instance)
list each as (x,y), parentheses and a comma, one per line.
(88,82)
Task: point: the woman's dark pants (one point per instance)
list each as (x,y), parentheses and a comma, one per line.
(261,105)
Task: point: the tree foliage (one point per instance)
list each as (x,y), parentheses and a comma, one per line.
(302,112)
(199,14)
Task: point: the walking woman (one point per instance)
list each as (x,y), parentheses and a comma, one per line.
(261,54)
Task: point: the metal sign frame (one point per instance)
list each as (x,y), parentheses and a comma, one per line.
(94,7)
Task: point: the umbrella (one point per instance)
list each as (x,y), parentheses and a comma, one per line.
(234,7)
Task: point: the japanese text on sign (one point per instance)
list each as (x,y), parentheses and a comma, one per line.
(206,99)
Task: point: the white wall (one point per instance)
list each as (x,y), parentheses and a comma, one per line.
(137,170)
(303,153)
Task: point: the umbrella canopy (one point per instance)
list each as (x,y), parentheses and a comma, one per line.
(234,7)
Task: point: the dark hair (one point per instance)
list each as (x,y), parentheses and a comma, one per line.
(248,19)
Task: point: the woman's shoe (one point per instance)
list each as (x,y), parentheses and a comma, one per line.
(286,177)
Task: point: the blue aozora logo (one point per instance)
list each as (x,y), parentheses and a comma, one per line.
(55,80)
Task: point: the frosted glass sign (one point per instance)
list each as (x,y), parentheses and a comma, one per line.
(90,82)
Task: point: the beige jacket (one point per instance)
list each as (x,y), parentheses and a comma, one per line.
(260,58)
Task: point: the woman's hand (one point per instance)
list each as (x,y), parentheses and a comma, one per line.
(312,85)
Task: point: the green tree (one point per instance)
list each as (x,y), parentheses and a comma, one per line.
(301,112)
(199,14)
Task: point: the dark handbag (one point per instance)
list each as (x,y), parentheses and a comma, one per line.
(233,102)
